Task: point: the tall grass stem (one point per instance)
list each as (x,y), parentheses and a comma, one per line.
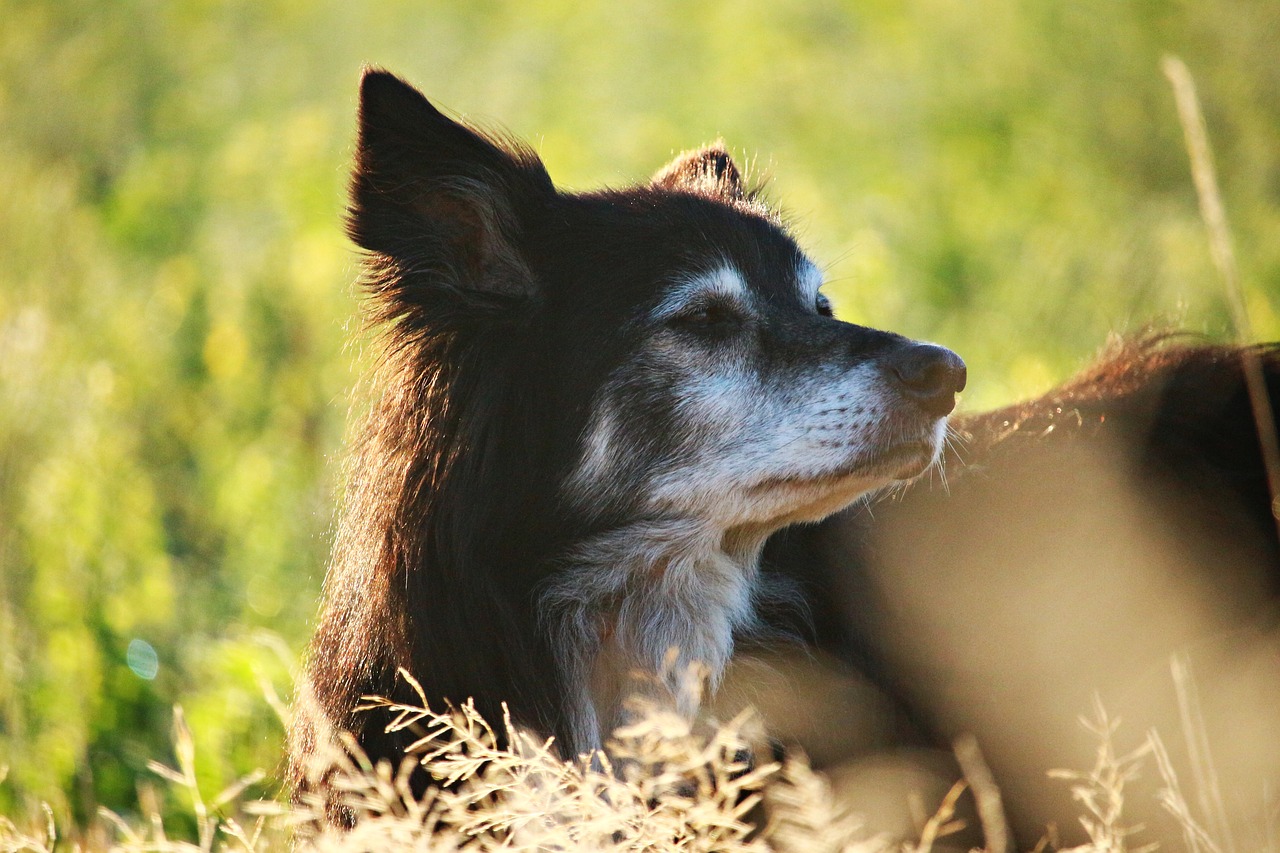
(1204,770)
(1215,220)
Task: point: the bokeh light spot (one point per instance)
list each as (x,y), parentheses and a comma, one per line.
(141,657)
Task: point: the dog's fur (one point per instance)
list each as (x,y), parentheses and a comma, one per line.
(592,411)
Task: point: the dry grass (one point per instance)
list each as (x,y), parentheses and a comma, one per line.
(1213,212)
(663,784)
(1100,791)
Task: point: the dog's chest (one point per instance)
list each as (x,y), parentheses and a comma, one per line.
(661,603)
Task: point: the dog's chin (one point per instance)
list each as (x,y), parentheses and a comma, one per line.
(811,497)
(901,462)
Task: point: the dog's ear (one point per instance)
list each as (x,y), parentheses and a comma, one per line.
(707,171)
(442,202)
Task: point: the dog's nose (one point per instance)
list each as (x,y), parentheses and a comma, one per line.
(929,374)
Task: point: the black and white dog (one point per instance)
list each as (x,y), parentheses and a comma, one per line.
(592,411)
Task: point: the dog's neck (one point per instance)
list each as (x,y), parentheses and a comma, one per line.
(656,597)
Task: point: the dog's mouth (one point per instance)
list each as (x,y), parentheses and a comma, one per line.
(898,462)
(901,461)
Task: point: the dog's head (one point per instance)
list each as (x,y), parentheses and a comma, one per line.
(672,334)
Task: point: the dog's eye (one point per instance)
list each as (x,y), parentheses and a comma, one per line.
(823,304)
(708,318)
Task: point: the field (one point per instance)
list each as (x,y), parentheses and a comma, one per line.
(179,342)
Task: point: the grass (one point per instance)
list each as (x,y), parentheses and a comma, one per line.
(661,785)
(165,421)
(665,783)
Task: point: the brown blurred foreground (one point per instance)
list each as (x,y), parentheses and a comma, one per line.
(1108,543)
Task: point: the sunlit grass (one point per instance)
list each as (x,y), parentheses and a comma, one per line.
(663,783)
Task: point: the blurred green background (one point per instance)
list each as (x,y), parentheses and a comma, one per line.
(176,304)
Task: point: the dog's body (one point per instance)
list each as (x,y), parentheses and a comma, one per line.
(593,411)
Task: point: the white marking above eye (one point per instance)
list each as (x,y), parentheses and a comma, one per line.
(723,281)
(809,278)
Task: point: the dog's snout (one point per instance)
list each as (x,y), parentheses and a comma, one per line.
(929,374)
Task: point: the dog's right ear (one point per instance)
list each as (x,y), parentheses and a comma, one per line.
(442,202)
(707,171)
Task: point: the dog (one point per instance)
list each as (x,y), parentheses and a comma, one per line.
(591,412)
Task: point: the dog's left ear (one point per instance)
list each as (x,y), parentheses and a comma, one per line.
(707,171)
(445,203)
